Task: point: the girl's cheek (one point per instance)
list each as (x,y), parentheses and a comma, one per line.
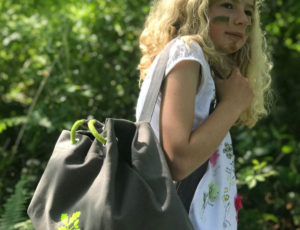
(248,30)
(220,19)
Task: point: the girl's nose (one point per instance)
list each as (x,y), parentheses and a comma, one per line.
(241,18)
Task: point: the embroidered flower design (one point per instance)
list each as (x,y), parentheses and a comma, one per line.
(213,158)
(238,205)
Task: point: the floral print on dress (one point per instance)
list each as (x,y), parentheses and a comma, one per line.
(213,192)
(238,205)
(205,196)
(228,151)
(210,197)
(213,158)
(227,205)
(225,196)
(226,221)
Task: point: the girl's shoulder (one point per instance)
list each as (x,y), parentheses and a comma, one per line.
(182,50)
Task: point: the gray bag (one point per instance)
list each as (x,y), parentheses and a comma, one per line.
(118,180)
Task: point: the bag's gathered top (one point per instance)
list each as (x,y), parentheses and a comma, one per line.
(92,128)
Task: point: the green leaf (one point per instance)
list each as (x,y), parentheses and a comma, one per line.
(15,205)
(76,223)
(286,149)
(62,228)
(63,216)
(259,166)
(260,178)
(68,222)
(249,178)
(255,162)
(270,217)
(75,217)
(64,219)
(10,122)
(252,183)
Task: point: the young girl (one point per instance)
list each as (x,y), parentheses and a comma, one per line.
(221,35)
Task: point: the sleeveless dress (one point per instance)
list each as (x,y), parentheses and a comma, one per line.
(215,202)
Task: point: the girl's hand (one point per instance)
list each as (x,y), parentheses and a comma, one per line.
(235,91)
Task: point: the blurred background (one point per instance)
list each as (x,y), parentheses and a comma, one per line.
(63,60)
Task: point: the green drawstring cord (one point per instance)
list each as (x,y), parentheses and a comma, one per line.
(91,126)
(74,128)
(93,130)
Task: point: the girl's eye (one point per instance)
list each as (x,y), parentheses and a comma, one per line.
(227,5)
(249,13)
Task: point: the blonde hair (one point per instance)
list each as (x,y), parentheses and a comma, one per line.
(189,20)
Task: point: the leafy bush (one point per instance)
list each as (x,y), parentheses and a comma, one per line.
(64,60)
(13,216)
(268,177)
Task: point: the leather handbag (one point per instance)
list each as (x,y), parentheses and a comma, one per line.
(111,176)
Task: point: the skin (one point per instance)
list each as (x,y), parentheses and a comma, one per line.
(220,19)
(225,19)
(249,29)
(230,21)
(188,150)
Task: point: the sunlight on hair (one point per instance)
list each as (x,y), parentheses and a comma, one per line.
(188,19)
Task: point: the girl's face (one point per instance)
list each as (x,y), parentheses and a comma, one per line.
(230,23)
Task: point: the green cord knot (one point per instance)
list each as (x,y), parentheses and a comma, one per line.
(91,126)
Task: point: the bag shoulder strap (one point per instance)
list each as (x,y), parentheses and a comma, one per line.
(185,188)
(156,82)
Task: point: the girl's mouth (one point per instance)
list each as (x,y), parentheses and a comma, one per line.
(235,35)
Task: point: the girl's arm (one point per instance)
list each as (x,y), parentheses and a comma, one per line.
(187,150)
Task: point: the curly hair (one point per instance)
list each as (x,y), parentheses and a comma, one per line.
(189,20)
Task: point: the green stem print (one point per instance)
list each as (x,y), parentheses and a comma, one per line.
(70,223)
(211,196)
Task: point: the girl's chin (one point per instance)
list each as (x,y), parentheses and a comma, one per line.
(229,50)
(229,47)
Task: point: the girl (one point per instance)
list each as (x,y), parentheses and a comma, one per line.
(222,35)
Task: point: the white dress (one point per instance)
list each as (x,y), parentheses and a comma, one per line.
(214,203)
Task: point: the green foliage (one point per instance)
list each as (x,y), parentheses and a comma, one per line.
(25,225)
(282,23)
(64,60)
(15,206)
(10,122)
(268,177)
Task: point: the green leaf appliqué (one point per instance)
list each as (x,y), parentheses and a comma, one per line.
(70,223)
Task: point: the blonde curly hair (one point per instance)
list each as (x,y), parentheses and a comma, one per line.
(189,20)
